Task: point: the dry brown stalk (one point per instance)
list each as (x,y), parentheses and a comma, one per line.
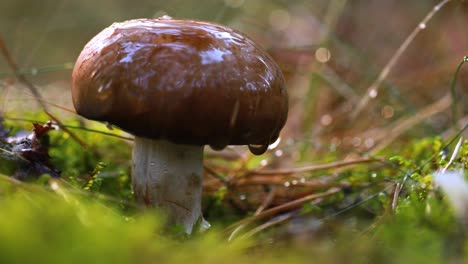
(284,207)
(374,87)
(327,166)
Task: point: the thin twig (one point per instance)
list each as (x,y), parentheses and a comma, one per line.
(272,180)
(34,91)
(284,207)
(311,168)
(72,127)
(266,202)
(48,102)
(268,224)
(372,91)
(216,175)
(453,92)
(39,70)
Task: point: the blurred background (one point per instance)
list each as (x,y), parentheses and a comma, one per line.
(330,52)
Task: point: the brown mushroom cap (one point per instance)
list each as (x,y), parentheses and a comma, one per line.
(189,82)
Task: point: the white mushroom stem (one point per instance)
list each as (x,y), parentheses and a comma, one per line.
(169,176)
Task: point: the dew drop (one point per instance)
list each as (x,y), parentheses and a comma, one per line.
(159,14)
(54,185)
(34,71)
(287,184)
(369,142)
(356,141)
(205,225)
(326,120)
(242,197)
(165,17)
(322,55)
(279,153)
(294,182)
(275,143)
(373,93)
(422,25)
(258,149)
(152,164)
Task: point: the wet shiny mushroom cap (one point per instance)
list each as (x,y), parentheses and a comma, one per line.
(189,82)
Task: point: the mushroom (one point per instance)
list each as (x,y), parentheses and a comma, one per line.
(178,85)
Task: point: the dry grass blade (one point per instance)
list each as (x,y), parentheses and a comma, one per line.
(332,165)
(272,180)
(284,207)
(267,225)
(48,102)
(405,124)
(454,154)
(373,89)
(260,209)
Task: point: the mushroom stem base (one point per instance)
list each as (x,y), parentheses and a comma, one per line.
(169,176)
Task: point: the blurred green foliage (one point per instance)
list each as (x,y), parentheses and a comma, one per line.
(90,216)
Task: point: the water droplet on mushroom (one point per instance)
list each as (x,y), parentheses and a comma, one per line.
(258,149)
(109,126)
(104,87)
(165,17)
(54,185)
(275,143)
(218,147)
